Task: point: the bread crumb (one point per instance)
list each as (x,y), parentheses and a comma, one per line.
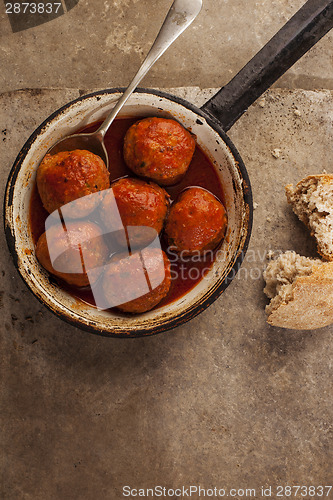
(255,205)
(268,219)
(297,112)
(276,152)
(270,254)
(262,102)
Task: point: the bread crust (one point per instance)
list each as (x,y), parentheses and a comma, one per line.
(311,305)
(293,193)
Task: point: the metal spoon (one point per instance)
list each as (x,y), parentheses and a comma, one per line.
(179,17)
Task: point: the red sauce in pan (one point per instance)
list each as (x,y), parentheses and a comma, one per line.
(200,173)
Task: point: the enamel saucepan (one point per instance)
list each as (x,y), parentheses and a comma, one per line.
(210,124)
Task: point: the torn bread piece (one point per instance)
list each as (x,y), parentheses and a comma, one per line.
(312,202)
(301,292)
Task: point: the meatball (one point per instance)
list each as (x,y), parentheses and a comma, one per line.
(142,207)
(197,222)
(73,252)
(71,175)
(138,282)
(159,149)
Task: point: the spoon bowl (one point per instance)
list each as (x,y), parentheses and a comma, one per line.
(92,142)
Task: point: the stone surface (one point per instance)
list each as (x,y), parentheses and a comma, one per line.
(102,43)
(225,400)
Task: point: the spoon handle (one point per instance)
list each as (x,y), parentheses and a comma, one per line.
(179,17)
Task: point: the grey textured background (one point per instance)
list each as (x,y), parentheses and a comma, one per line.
(101,43)
(225,400)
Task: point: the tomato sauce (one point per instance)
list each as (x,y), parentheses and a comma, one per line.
(187,272)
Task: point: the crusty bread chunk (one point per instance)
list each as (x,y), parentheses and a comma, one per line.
(301,292)
(312,202)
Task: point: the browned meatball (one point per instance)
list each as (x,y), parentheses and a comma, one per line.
(73,252)
(159,149)
(197,222)
(125,283)
(68,176)
(142,207)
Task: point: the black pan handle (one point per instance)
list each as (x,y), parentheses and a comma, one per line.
(297,36)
